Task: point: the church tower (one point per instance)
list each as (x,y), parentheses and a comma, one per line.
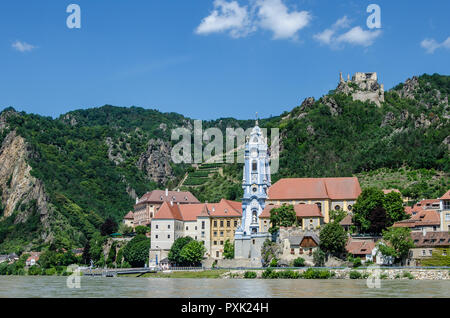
(255,182)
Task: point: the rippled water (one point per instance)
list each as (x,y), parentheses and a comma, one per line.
(26,286)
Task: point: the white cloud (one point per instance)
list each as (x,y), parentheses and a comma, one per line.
(354,36)
(23,46)
(326,36)
(240,21)
(226,16)
(358,36)
(275,17)
(431,45)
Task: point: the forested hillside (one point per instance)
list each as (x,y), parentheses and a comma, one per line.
(89,165)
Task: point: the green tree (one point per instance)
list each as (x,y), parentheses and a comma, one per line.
(282,216)
(136,252)
(228,250)
(399,242)
(299,262)
(337,215)
(140,229)
(319,257)
(374,211)
(175,250)
(109,227)
(192,253)
(333,238)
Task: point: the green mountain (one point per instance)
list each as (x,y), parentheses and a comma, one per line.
(61,178)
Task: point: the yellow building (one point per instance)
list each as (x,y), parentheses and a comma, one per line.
(327,193)
(225,218)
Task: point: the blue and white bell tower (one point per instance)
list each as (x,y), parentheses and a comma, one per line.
(256,182)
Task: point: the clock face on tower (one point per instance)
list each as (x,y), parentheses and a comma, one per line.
(254,153)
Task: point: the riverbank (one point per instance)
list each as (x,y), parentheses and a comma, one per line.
(306,273)
(344,273)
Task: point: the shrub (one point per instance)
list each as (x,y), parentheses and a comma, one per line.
(50,271)
(34,270)
(357,262)
(273,262)
(288,274)
(355,275)
(314,273)
(407,274)
(384,276)
(250,275)
(299,262)
(269,273)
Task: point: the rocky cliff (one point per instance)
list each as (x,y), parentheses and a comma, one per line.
(155,162)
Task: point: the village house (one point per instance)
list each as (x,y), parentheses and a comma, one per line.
(426,243)
(444,211)
(146,207)
(309,216)
(327,193)
(128,219)
(32,259)
(421,219)
(362,248)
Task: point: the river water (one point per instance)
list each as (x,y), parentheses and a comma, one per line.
(54,286)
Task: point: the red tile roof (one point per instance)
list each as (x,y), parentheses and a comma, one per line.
(301,210)
(431,239)
(446,196)
(225,208)
(422,218)
(159,196)
(315,188)
(347,220)
(190,212)
(130,215)
(359,247)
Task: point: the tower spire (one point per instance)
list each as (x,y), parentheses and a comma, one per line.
(256,123)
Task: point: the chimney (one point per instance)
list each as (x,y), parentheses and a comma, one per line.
(167,192)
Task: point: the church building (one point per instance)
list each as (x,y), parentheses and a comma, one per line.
(249,237)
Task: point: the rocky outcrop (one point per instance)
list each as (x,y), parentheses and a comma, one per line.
(409,88)
(155,162)
(363,87)
(114,156)
(18,186)
(332,105)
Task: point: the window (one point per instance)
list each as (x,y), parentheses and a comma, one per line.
(215,223)
(424,253)
(319,205)
(228,223)
(254,241)
(203,233)
(221,233)
(168,226)
(349,207)
(221,242)
(221,223)
(254,166)
(301,250)
(292,251)
(156,236)
(215,242)
(156,226)
(203,225)
(168,236)
(215,233)
(196,238)
(196,228)
(447,216)
(430,252)
(217,254)
(337,207)
(235,223)
(187,228)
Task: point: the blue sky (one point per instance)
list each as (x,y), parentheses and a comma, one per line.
(208,59)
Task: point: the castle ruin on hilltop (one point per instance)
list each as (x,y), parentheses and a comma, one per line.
(362,87)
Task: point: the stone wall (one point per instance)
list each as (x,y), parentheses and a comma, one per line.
(387,273)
